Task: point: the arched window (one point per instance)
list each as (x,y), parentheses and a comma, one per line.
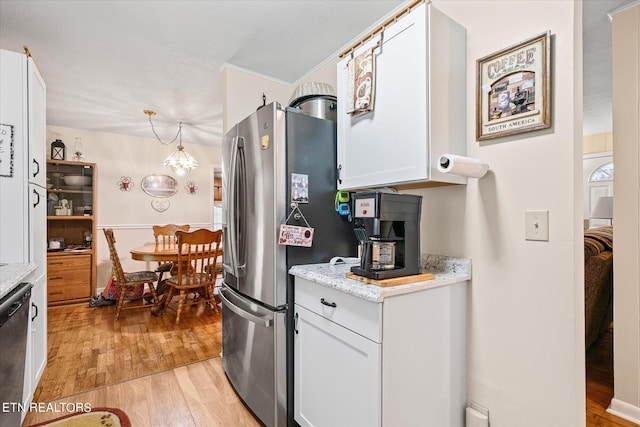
(602,173)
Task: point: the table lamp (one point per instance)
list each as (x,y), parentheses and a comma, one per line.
(603,209)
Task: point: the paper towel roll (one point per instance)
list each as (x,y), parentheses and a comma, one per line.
(460,165)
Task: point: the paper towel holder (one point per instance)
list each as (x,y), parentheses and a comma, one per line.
(463,166)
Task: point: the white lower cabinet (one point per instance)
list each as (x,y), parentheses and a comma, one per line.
(399,362)
(38,331)
(36,352)
(337,367)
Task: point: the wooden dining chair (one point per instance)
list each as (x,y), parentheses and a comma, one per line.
(198,254)
(128,281)
(165,236)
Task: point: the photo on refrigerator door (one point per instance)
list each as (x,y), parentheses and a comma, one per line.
(299,188)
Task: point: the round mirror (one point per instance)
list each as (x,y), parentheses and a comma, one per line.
(158,185)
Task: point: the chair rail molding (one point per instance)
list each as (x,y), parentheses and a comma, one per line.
(194,226)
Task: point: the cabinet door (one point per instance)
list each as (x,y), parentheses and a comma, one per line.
(38,331)
(13,141)
(390,144)
(27,386)
(336,374)
(37,125)
(38,229)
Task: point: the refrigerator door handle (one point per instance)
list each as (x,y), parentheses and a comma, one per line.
(240,248)
(231,211)
(266,321)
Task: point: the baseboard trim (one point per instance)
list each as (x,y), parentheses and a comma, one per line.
(624,410)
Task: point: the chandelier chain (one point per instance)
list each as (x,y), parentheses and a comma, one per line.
(178,134)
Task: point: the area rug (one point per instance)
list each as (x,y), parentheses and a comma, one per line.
(98,417)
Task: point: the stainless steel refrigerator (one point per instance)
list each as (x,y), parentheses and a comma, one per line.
(268,160)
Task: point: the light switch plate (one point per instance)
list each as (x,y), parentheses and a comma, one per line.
(536,225)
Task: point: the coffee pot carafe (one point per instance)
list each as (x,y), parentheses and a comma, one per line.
(391,223)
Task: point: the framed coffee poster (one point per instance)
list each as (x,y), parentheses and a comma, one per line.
(514,89)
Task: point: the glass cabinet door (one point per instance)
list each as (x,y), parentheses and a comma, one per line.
(70,195)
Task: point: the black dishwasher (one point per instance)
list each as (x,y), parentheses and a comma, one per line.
(14,321)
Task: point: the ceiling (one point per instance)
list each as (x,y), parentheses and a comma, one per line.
(106,61)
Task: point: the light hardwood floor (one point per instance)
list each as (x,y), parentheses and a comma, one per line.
(599,363)
(88,348)
(197,394)
(164,374)
(159,373)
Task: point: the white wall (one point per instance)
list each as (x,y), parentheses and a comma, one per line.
(242,94)
(242,89)
(626,158)
(130,213)
(525,313)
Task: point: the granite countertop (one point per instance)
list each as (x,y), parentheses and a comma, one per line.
(12,274)
(448,270)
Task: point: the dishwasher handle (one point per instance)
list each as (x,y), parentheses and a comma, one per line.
(14,308)
(14,300)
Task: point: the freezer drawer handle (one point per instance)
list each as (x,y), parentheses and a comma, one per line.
(265,320)
(330,304)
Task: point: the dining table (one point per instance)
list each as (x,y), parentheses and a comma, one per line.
(152,252)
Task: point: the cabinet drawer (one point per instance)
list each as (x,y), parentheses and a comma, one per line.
(361,316)
(67,292)
(73,277)
(62,264)
(68,277)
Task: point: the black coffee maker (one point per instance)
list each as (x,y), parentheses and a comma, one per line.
(388,227)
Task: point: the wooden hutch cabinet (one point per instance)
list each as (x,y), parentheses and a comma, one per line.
(71,229)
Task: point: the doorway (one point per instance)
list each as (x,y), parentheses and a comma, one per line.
(597,170)
(217,198)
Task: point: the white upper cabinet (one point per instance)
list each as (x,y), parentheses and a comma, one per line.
(37,125)
(419,110)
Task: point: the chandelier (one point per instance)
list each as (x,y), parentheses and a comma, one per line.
(180,161)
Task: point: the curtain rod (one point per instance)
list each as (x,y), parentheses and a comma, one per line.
(389,21)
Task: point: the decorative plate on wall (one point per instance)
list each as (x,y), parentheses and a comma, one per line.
(160,205)
(191,187)
(125,183)
(158,185)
